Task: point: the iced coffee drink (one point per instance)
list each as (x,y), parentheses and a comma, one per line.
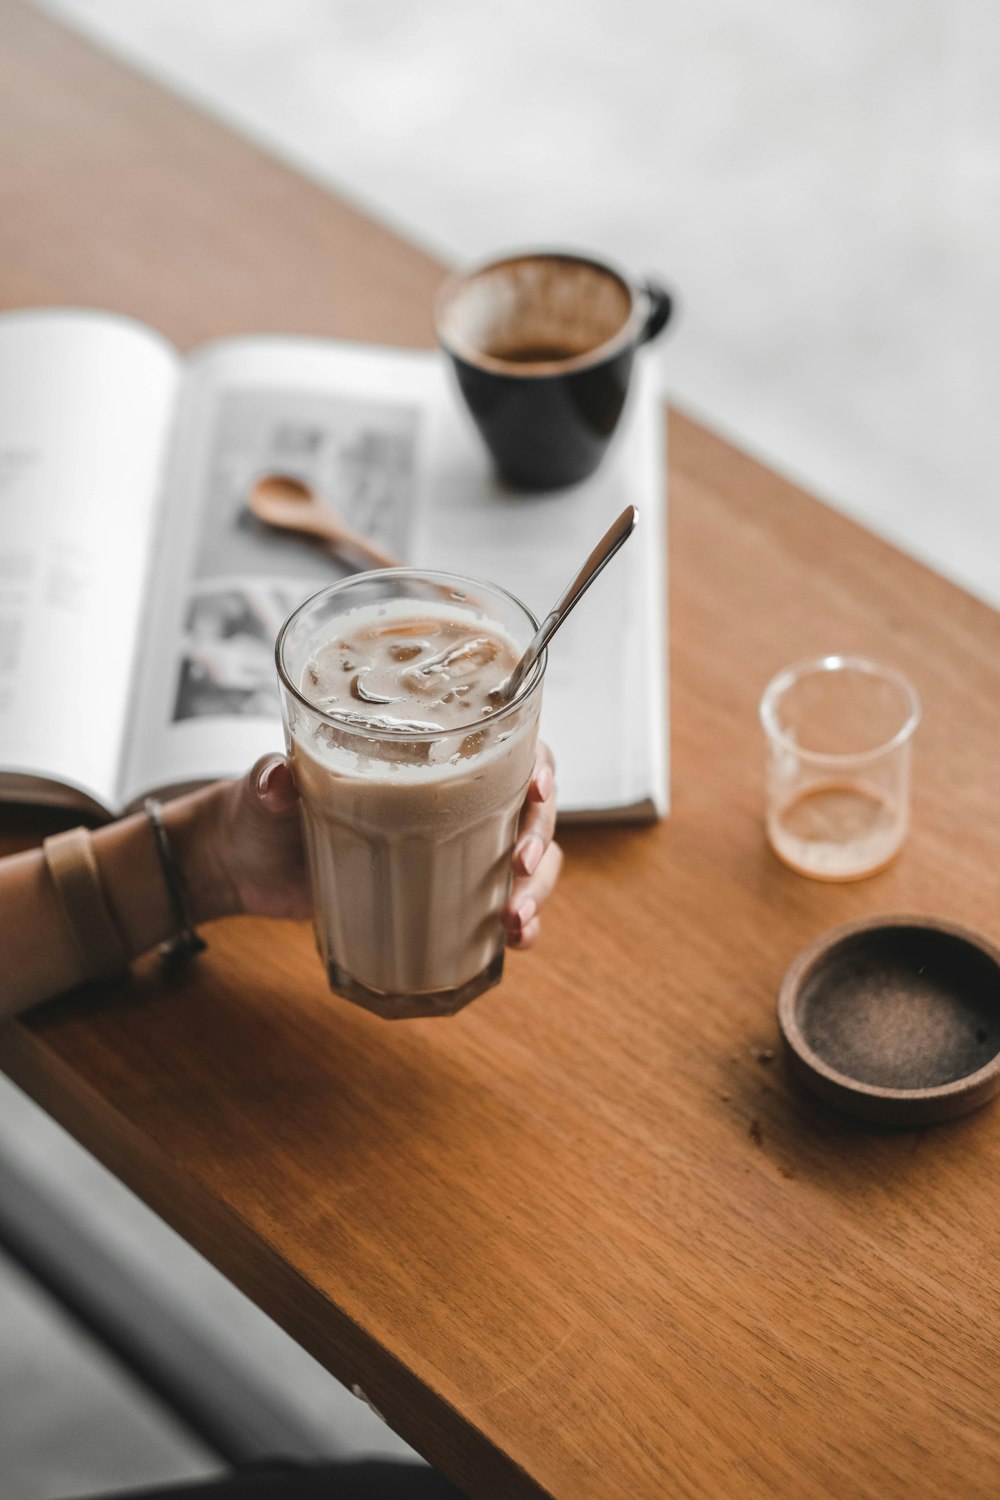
(412,772)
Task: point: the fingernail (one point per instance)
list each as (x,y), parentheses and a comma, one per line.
(546,782)
(264,779)
(529,853)
(525,912)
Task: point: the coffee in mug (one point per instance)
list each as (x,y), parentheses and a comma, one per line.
(542,345)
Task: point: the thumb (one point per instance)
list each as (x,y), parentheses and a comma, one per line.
(272,786)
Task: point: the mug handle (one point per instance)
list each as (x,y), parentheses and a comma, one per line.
(661,307)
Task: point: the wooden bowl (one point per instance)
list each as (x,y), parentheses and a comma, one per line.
(895,1020)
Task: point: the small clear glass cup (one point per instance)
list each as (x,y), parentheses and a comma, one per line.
(839,739)
(409,836)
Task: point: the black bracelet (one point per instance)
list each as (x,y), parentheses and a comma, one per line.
(186,942)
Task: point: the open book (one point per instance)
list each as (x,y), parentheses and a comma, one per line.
(140,599)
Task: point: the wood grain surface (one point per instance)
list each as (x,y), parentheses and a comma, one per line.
(587,1239)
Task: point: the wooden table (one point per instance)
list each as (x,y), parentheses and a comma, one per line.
(585,1240)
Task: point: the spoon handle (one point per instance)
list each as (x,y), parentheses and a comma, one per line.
(615,536)
(360,549)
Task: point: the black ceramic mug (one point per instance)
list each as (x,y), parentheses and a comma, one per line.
(542,344)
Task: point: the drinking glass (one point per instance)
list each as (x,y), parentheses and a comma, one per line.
(839,737)
(409,832)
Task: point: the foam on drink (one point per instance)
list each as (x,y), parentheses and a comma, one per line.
(398,671)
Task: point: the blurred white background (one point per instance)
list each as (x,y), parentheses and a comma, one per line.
(821,185)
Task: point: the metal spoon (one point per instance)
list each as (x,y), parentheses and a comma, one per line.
(602,554)
(291,504)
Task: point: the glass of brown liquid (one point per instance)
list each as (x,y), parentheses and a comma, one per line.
(411,775)
(839,739)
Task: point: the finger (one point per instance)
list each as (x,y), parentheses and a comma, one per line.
(543,776)
(529,893)
(539,887)
(527,937)
(273,784)
(538,824)
(517,916)
(537,820)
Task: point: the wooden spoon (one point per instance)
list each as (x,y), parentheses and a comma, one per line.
(291,504)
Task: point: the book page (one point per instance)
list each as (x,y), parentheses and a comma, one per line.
(380,434)
(604,706)
(348,419)
(86,402)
